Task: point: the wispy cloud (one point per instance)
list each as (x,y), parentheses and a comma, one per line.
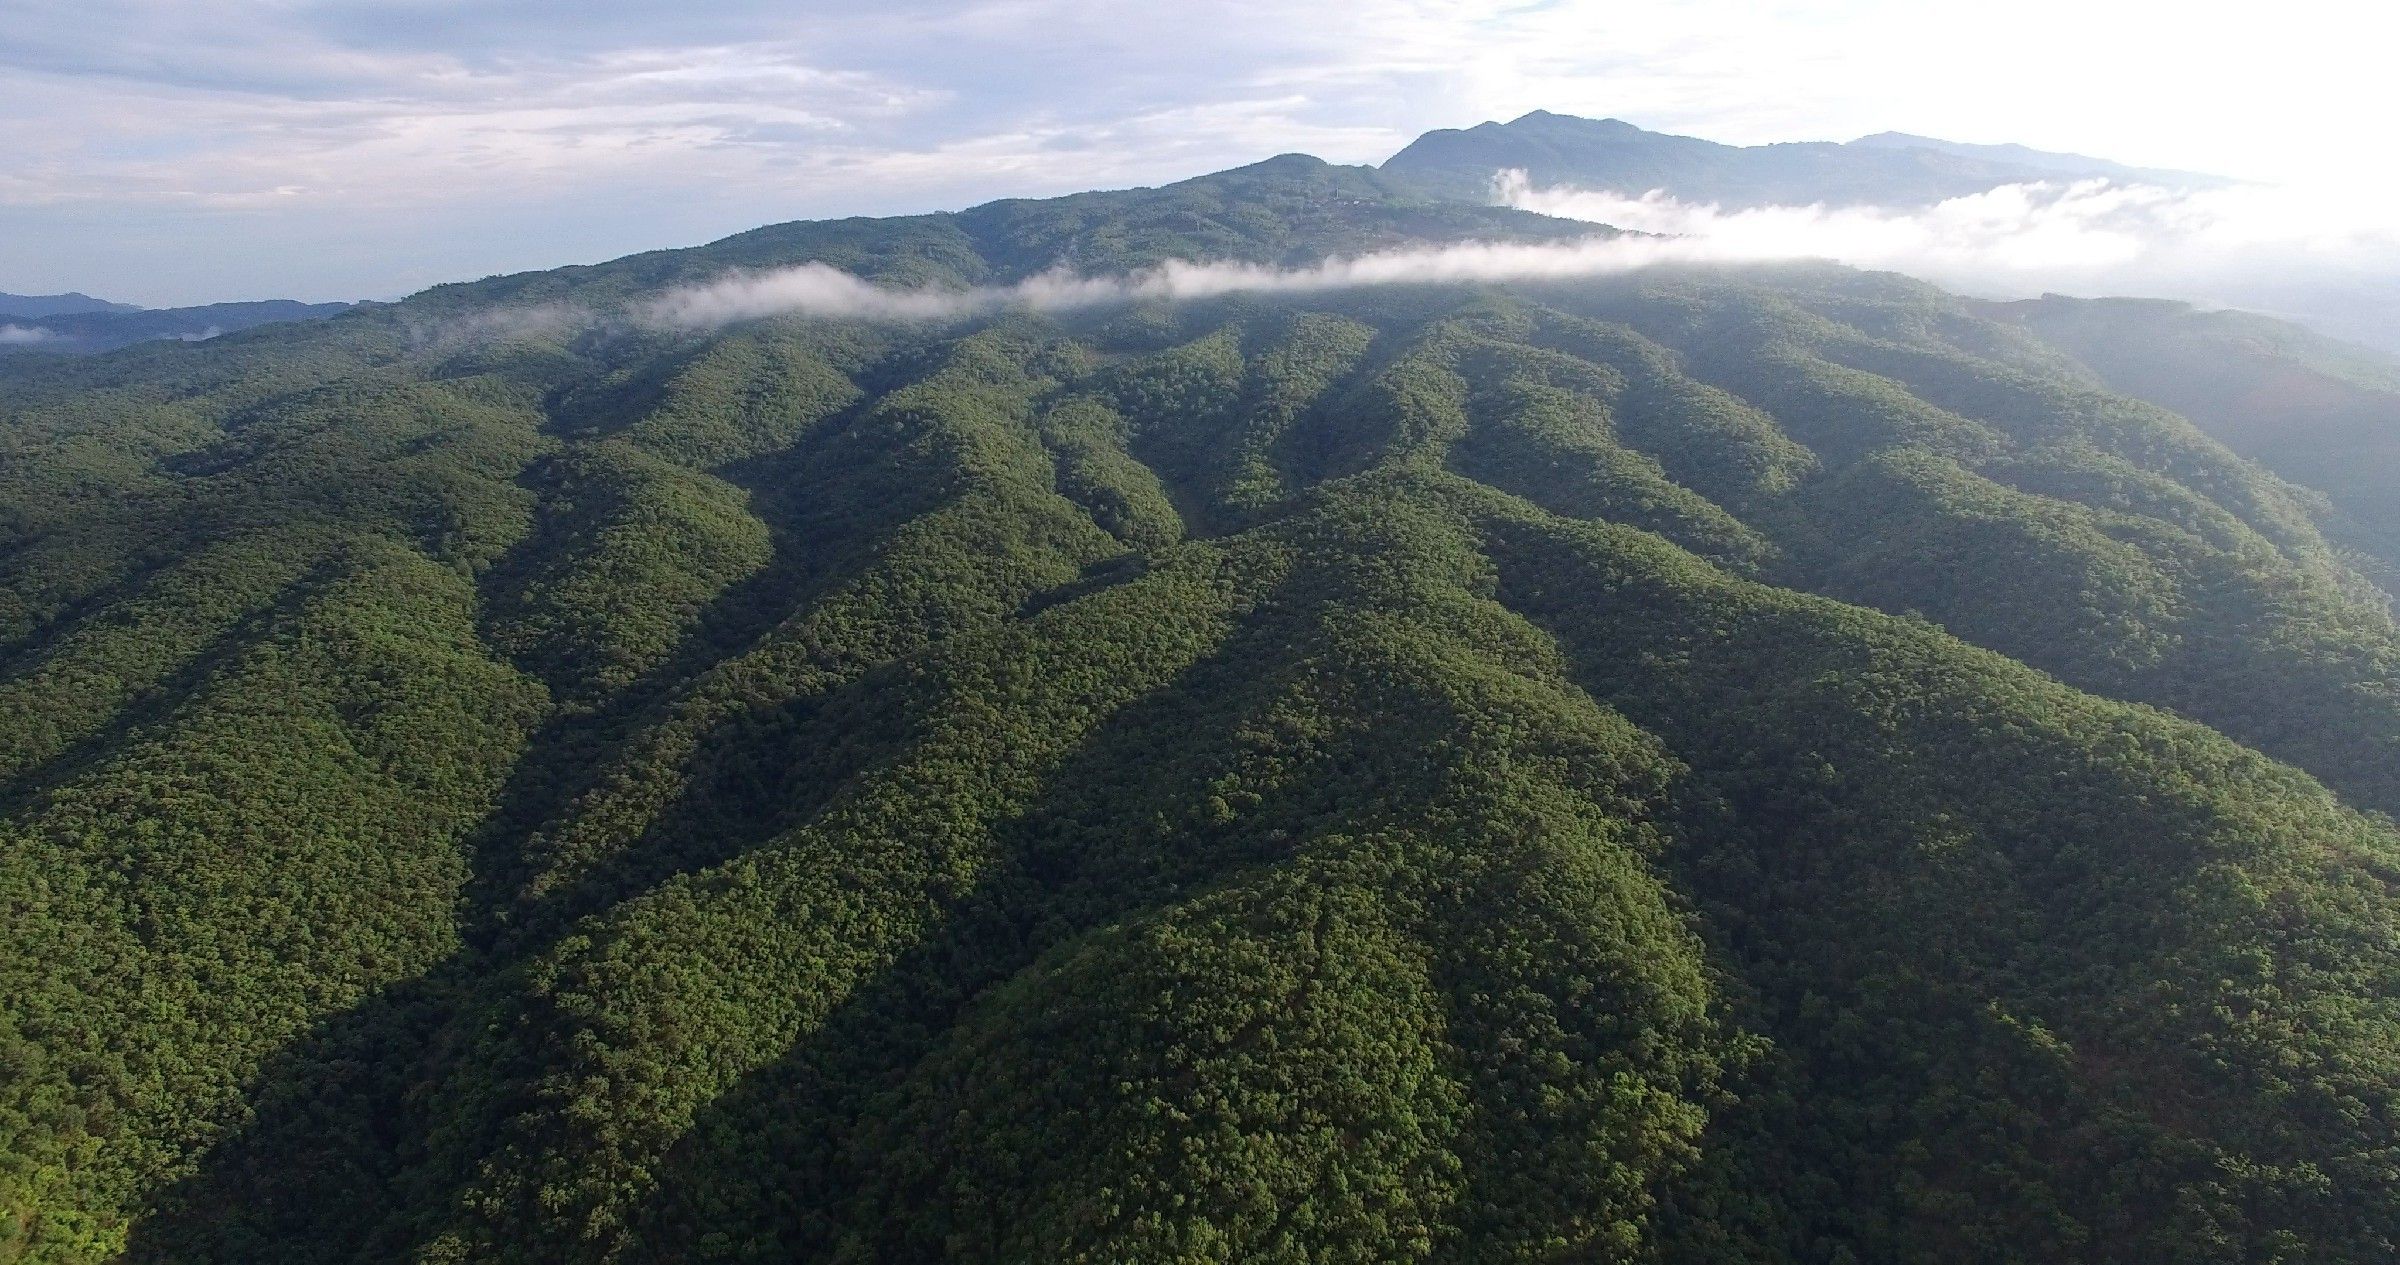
(2030,228)
(189,150)
(820,291)
(816,290)
(22,335)
(2214,246)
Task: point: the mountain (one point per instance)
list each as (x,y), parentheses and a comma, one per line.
(84,330)
(69,304)
(1767,764)
(1889,169)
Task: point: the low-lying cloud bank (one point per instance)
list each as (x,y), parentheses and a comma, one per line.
(2242,247)
(825,292)
(818,290)
(2331,261)
(23,335)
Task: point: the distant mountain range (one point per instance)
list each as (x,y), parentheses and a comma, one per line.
(77,323)
(1447,166)
(72,303)
(1886,169)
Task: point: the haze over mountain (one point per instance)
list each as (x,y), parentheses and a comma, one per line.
(2321,413)
(1078,730)
(78,324)
(2021,158)
(70,304)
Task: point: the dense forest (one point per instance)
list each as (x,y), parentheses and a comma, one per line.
(1732,765)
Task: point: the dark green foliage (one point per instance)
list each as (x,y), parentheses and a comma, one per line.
(281,841)
(1415,774)
(1944,877)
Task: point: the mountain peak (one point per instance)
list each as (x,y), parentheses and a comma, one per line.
(1294,161)
(1540,117)
(72,303)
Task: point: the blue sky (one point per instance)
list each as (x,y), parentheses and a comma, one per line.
(175,151)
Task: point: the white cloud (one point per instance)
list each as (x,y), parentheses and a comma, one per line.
(821,291)
(21,335)
(2293,251)
(2232,246)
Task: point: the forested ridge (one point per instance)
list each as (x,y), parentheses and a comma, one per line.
(1735,765)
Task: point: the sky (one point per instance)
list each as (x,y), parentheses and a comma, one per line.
(183,151)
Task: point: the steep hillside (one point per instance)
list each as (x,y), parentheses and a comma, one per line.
(1770,765)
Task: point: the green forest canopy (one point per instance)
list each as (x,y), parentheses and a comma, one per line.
(1733,765)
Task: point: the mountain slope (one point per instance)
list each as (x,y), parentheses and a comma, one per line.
(1889,169)
(1719,765)
(2317,411)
